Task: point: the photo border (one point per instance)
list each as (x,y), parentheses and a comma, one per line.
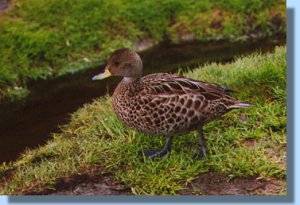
(289,198)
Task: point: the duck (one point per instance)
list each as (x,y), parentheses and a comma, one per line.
(163,104)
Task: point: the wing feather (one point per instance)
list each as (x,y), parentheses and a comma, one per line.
(170,84)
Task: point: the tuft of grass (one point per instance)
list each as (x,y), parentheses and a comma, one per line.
(74,35)
(246,142)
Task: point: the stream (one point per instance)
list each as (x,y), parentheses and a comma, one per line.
(30,123)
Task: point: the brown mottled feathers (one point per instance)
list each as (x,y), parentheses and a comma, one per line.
(164,83)
(169,104)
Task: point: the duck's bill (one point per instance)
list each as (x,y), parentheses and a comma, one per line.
(101,76)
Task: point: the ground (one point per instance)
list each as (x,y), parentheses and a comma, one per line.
(97,182)
(246,147)
(216,184)
(93,181)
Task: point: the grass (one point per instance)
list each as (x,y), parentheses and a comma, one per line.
(95,137)
(44,39)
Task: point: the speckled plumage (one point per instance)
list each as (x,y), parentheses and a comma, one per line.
(165,104)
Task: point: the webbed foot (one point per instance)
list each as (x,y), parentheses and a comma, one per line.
(202,152)
(151,154)
(154,153)
(202,144)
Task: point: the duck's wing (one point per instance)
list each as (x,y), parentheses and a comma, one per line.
(170,84)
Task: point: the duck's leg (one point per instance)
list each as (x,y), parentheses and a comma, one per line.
(202,143)
(160,153)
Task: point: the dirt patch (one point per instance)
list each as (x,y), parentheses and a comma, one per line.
(217,184)
(5,176)
(96,182)
(250,143)
(92,182)
(278,155)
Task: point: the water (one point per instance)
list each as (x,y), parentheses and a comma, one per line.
(30,124)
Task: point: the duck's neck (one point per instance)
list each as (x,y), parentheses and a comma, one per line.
(131,84)
(130,79)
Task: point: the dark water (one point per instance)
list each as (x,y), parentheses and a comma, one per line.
(50,103)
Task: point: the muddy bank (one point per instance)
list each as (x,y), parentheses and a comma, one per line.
(50,103)
(95,182)
(91,182)
(218,184)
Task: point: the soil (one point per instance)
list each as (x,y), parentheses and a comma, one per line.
(96,182)
(91,182)
(217,184)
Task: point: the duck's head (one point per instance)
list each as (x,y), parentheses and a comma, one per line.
(123,62)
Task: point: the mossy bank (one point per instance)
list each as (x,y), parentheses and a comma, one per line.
(248,142)
(44,39)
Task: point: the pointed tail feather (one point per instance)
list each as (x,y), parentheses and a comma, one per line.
(240,105)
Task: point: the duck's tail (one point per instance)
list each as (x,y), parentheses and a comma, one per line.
(240,105)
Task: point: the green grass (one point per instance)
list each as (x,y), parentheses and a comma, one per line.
(95,137)
(44,39)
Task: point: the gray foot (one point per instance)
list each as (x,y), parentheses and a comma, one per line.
(202,144)
(160,153)
(154,153)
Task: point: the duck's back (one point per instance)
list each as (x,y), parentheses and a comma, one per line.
(167,104)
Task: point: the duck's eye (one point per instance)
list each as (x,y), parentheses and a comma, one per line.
(117,63)
(127,65)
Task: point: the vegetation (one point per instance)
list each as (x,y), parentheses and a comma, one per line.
(246,142)
(42,39)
